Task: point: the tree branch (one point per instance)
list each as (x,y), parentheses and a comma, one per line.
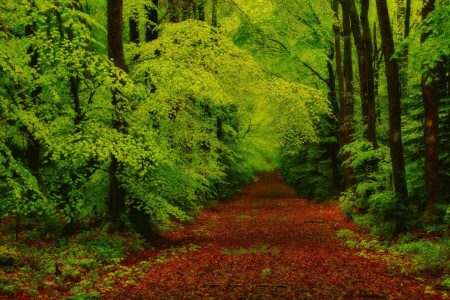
(315,73)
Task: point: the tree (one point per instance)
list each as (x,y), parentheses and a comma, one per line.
(365,59)
(347,110)
(370,76)
(152,21)
(117,193)
(430,99)
(393,86)
(340,77)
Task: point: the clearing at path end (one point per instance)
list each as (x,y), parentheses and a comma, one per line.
(268,243)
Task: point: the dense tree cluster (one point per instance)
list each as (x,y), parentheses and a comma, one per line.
(136,112)
(392,131)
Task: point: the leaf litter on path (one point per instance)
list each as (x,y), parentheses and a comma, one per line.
(267,243)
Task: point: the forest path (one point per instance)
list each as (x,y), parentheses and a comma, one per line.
(267,243)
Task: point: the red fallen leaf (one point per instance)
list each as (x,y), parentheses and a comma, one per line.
(272,252)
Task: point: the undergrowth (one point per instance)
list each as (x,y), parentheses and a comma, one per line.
(90,265)
(409,253)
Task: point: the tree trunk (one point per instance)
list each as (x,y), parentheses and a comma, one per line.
(359,43)
(333,149)
(393,85)
(331,83)
(347,109)
(134,30)
(134,33)
(137,217)
(116,199)
(405,53)
(340,77)
(337,49)
(220,133)
(214,14)
(403,17)
(188,9)
(430,99)
(201,12)
(370,78)
(152,19)
(34,146)
(174,13)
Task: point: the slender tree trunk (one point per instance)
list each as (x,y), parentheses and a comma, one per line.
(430,99)
(115,33)
(405,53)
(34,146)
(347,109)
(337,48)
(138,218)
(116,199)
(360,50)
(375,65)
(333,149)
(201,12)
(341,114)
(220,133)
(403,17)
(214,14)
(174,13)
(393,85)
(134,33)
(134,30)
(75,91)
(331,82)
(377,60)
(188,9)
(152,20)
(370,78)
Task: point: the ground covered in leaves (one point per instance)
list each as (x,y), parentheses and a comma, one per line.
(267,242)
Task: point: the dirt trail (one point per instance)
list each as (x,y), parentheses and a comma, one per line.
(268,243)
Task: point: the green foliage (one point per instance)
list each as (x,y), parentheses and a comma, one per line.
(428,255)
(437,46)
(105,248)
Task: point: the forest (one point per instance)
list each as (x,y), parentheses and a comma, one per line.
(224,149)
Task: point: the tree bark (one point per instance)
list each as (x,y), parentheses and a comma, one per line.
(174,13)
(370,78)
(117,193)
(331,82)
(138,218)
(333,149)
(356,30)
(152,20)
(347,109)
(340,78)
(34,146)
(201,12)
(403,57)
(214,14)
(393,85)
(134,34)
(134,30)
(337,49)
(430,99)
(188,9)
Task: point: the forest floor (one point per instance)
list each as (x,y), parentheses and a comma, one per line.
(266,242)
